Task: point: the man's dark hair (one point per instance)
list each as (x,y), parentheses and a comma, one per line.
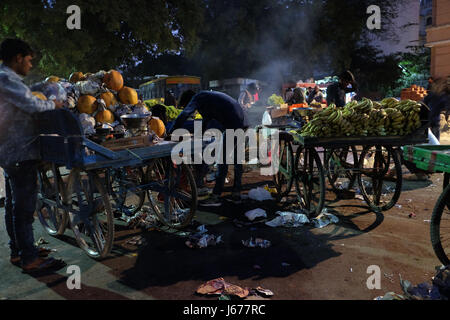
(12,47)
(186,97)
(252,87)
(160,111)
(347,76)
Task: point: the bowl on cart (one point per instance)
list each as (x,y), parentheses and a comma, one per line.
(135,121)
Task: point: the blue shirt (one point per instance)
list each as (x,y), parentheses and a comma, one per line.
(213,105)
(18,131)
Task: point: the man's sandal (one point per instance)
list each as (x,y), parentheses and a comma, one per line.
(42,252)
(41,265)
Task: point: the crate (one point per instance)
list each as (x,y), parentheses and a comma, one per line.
(430,158)
(128,143)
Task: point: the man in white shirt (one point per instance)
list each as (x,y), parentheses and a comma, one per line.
(19,154)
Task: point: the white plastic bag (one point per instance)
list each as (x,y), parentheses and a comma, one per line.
(259,194)
(432,138)
(253,214)
(267,119)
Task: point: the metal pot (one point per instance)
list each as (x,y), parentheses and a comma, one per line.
(135,121)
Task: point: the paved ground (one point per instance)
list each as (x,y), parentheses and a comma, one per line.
(302,263)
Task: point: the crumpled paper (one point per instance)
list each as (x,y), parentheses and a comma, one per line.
(259,194)
(324,219)
(88,123)
(288,219)
(202,239)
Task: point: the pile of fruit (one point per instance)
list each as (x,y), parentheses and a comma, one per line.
(98,99)
(389,117)
(415,93)
(275,100)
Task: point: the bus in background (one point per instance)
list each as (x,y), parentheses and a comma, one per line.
(157,88)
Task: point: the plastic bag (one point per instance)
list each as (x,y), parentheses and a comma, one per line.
(432,138)
(288,219)
(88,123)
(267,119)
(88,88)
(52,90)
(259,194)
(256,213)
(324,219)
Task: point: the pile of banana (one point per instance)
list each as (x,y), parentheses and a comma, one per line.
(389,117)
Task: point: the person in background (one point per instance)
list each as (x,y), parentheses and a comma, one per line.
(288,94)
(246,98)
(226,113)
(169,99)
(159,111)
(19,154)
(316,95)
(438,101)
(430,83)
(336,92)
(297,98)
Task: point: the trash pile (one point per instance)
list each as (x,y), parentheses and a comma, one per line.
(228,291)
(143,219)
(439,289)
(201,239)
(293,220)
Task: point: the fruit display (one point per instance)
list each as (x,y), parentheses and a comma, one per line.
(416,93)
(275,100)
(98,99)
(389,117)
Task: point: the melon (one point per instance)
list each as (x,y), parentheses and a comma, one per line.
(157,126)
(113,80)
(40,95)
(52,79)
(109,98)
(104,116)
(87,104)
(76,76)
(128,96)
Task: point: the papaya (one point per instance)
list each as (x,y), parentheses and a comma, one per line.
(52,79)
(128,96)
(113,80)
(87,104)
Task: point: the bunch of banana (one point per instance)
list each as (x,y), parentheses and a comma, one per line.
(411,111)
(389,103)
(377,122)
(395,122)
(365,106)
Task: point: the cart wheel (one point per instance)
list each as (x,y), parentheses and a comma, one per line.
(51,196)
(172,192)
(339,164)
(91,216)
(123,186)
(310,181)
(284,178)
(440,227)
(380,177)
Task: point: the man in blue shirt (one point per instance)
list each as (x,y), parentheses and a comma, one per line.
(19,153)
(225,113)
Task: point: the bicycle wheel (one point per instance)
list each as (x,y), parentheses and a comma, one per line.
(172,192)
(91,216)
(380,177)
(284,178)
(440,227)
(310,181)
(339,164)
(51,196)
(123,186)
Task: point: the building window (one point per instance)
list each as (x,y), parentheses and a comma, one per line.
(429,21)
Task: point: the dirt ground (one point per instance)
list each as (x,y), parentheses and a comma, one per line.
(303,263)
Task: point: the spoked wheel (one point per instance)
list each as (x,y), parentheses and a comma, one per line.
(440,227)
(123,186)
(172,192)
(51,196)
(310,181)
(380,177)
(91,216)
(284,178)
(339,165)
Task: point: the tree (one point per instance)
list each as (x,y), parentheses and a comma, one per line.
(113,33)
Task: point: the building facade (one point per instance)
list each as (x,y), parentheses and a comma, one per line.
(438,39)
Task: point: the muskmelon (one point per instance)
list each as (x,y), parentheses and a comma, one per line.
(40,95)
(113,80)
(104,116)
(52,79)
(87,104)
(76,76)
(157,126)
(109,98)
(128,96)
